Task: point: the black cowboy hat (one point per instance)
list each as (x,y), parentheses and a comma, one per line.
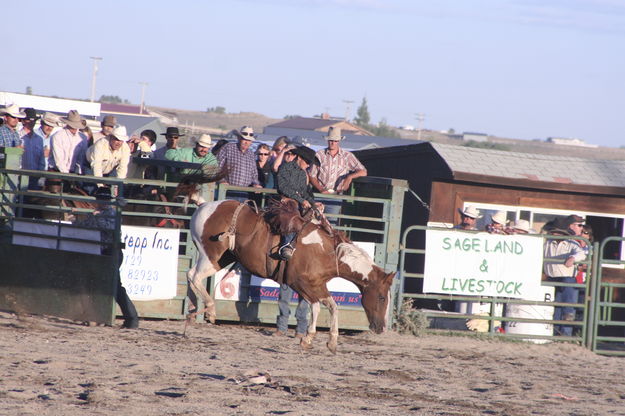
(307,154)
(103,193)
(30,114)
(172,131)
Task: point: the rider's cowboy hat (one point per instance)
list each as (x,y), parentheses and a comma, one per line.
(307,154)
(12,110)
(334,134)
(470,211)
(103,193)
(205,141)
(246,133)
(73,120)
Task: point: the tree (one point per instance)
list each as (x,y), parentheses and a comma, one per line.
(218,110)
(291,116)
(29,90)
(383,129)
(363,118)
(114,99)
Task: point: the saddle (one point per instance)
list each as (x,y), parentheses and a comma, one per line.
(284,217)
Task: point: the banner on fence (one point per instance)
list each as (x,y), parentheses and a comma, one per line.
(483,264)
(150,267)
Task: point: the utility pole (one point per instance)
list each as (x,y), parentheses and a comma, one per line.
(348,109)
(143,85)
(420,117)
(94,75)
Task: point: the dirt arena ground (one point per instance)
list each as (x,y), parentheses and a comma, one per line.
(56,367)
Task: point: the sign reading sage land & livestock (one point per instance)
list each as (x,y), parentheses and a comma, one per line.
(483,264)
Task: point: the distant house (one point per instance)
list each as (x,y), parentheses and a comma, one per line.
(474,137)
(321,125)
(569,141)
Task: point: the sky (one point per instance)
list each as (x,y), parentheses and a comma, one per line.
(525,69)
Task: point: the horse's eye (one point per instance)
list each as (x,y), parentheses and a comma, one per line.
(381,298)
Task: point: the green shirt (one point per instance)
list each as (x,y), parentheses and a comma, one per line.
(188,154)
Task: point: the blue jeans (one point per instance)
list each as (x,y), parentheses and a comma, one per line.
(564,294)
(301,312)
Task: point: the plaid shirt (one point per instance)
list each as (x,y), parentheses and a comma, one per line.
(334,169)
(9,137)
(241,166)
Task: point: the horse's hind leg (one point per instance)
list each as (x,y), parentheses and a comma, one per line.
(306,341)
(195,276)
(334,327)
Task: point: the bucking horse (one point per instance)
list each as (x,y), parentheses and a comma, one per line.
(227,231)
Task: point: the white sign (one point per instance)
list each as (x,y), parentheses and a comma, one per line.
(227,285)
(483,264)
(150,267)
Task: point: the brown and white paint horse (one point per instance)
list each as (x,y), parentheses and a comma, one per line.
(224,234)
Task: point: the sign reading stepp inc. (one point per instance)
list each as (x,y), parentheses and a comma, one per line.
(150,267)
(483,264)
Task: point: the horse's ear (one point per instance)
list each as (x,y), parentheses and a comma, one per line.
(390,277)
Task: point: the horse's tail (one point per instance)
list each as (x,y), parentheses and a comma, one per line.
(189,184)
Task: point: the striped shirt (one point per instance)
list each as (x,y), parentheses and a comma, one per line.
(241,166)
(334,169)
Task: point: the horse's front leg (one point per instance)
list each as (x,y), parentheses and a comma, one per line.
(306,341)
(334,326)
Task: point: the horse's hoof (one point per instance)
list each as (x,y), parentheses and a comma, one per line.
(305,345)
(332,347)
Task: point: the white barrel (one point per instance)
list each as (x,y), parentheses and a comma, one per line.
(532,312)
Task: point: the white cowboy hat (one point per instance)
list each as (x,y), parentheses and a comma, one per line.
(51,120)
(522,225)
(73,120)
(334,134)
(246,133)
(119,132)
(13,110)
(205,141)
(499,217)
(470,211)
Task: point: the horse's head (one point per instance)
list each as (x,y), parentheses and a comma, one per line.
(375,297)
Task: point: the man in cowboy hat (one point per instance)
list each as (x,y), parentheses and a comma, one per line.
(104,218)
(33,157)
(68,146)
(292,182)
(337,170)
(108,124)
(199,154)
(171,136)
(468,218)
(110,153)
(48,125)
(9,136)
(498,223)
(240,162)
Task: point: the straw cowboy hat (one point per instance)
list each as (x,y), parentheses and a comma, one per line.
(307,154)
(470,211)
(73,120)
(120,133)
(522,225)
(13,110)
(205,141)
(51,120)
(499,217)
(246,133)
(334,134)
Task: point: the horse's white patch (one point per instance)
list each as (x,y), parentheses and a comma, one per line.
(355,258)
(198,220)
(312,238)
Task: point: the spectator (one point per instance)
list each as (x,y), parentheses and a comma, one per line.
(86,131)
(171,136)
(468,218)
(199,154)
(337,170)
(68,146)
(110,154)
(582,269)
(48,125)
(220,143)
(567,252)
(149,136)
(284,310)
(108,124)
(520,227)
(33,157)
(103,218)
(498,223)
(263,164)
(9,136)
(240,164)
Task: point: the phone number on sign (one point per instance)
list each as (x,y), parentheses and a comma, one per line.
(142,275)
(139,289)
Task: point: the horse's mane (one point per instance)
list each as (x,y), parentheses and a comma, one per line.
(348,250)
